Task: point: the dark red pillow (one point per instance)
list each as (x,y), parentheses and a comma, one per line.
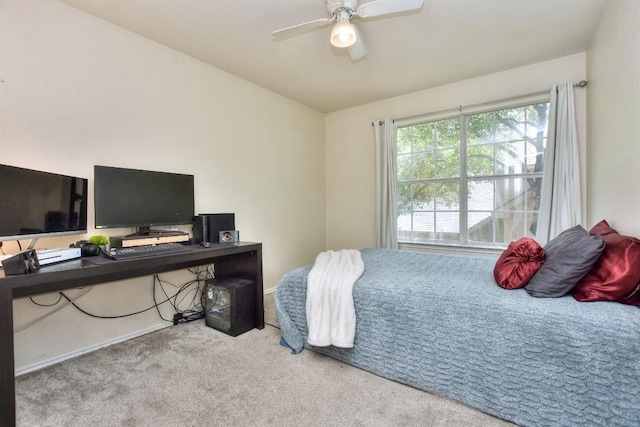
(616,274)
(518,263)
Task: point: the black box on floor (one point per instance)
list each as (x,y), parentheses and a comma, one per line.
(230,305)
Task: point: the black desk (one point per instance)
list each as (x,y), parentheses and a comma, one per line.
(242,260)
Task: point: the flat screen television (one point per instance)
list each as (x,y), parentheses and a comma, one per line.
(141,199)
(36,204)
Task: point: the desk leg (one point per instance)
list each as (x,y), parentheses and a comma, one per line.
(7,369)
(246,265)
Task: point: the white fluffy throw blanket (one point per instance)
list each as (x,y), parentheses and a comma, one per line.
(331,316)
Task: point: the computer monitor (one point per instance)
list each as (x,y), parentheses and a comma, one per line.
(36,204)
(141,198)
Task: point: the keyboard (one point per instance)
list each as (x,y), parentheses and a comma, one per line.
(147,251)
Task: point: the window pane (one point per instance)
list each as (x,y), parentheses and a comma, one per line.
(405,223)
(405,167)
(480,226)
(414,197)
(512,227)
(508,227)
(448,163)
(510,158)
(510,124)
(537,116)
(512,194)
(423,137)
(448,133)
(480,160)
(480,129)
(480,195)
(418,226)
(423,196)
(404,235)
(404,197)
(514,214)
(404,137)
(501,177)
(533,155)
(531,225)
(423,224)
(424,165)
(448,196)
(447,226)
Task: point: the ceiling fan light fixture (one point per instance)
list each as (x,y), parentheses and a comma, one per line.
(343,34)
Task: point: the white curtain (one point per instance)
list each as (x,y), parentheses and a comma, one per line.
(561,201)
(386,175)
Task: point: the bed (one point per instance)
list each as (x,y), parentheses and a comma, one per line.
(441,324)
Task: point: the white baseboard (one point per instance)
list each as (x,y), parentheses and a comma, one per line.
(270,291)
(54,360)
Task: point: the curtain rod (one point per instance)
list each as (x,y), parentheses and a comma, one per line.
(582,83)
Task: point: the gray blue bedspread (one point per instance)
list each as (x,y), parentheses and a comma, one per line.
(441,324)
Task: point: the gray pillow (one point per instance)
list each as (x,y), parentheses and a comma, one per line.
(569,257)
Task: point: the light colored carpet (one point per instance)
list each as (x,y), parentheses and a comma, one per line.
(192,375)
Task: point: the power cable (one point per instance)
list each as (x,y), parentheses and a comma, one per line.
(194,310)
(56,309)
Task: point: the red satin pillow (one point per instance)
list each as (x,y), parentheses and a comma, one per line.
(518,263)
(616,274)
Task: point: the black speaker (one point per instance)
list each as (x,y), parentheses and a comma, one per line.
(229,236)
(230,305)
(21,263)
(86,248)
(207,227)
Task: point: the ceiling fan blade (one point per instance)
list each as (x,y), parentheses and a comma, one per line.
(301,28)
(356,50)
(387,7)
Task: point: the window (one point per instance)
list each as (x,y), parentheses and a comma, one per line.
(474,179)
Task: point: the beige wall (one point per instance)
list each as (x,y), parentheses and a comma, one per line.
(350,143)
(76,91)
(614,118)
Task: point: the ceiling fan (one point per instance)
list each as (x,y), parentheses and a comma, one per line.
(344,34)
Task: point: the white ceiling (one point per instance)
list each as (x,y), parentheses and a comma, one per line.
(447,41)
